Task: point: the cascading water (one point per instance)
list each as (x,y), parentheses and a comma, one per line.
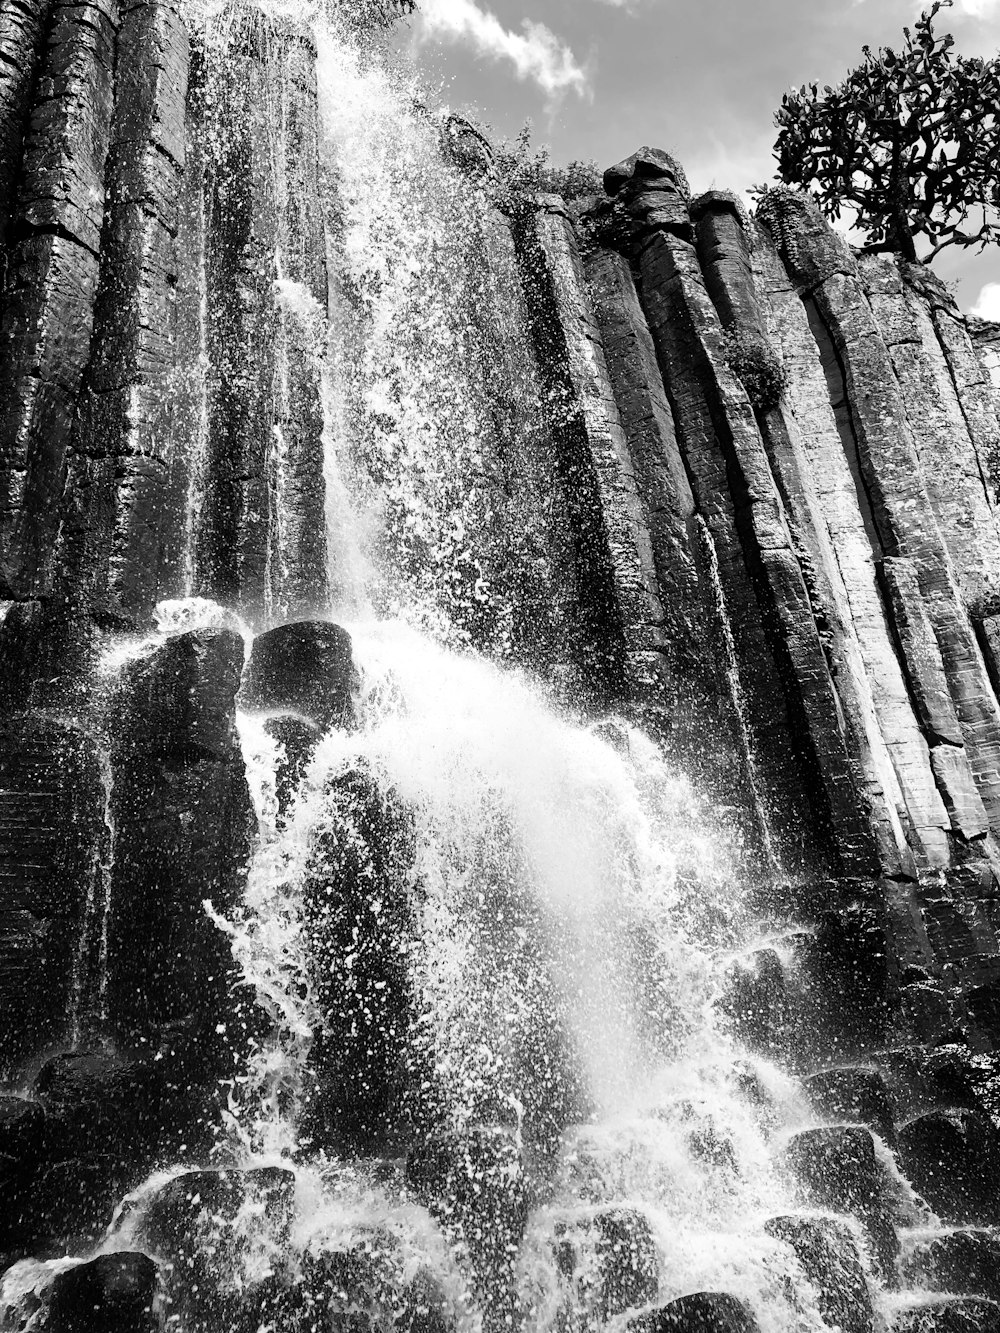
(480,920)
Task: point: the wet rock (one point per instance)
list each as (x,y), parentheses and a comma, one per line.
(89,1098)
(208,1226)
(929,1012)
(608,1262)
(297,737)
(919,1080)
(22,1126)
(828,1256)
(838,1169)
(959,1315)
(96,1135)
(304,667)
(967,1262)
(372,1283)
(701,1312)
(51,280)
(198,1205)
(756,1000)
(847,955)
(48,650)
(181,814)
(113,1293)
(22,1130)
(357,908)
(52,841)
(753,1089)
(467,146)
(853,1094)
(473,1181)
(180,697)
(952,1158)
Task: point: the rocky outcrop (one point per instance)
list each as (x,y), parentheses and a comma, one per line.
(181,816)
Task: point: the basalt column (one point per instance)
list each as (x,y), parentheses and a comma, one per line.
(260,542)
(696,657)
(126,483)
(620,614)
(778,676)
(52,269)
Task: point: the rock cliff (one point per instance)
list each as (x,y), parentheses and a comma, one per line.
(745,495)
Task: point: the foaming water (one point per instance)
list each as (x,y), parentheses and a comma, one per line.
(440,439)
(542,848)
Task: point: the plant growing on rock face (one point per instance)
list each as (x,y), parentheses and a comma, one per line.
(910,141)
(521,169)
(755,364)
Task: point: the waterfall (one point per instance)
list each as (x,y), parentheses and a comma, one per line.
(493,1053)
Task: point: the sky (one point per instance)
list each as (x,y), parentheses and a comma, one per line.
(599,78)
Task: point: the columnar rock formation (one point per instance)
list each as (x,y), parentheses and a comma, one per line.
(745,494)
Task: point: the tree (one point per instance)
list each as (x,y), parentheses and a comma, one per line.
(910,141)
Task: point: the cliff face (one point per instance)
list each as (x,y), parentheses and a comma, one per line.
(724,477)
(771,508)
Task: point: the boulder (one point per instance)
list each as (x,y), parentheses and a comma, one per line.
(370,1284)
(646,164)
(607,1261)
(211,1229)
(701,1312)
(965,1261)
(200,1206)
(113,1293)
(356,894)
(304,667)
(853,1093)
(179,698)
(961,1314)
(952,1158)
(473,1181)
(829,1258)
(838,1169)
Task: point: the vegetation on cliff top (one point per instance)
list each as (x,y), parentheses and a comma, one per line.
(910,141)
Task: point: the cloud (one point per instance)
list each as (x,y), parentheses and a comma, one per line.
(987,304)
(535,52)
(978,8)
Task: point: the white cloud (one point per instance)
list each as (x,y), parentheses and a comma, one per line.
(535,52)
(980,8)
(987,304)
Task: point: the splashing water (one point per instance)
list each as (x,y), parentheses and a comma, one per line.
(560,879)
(519,916)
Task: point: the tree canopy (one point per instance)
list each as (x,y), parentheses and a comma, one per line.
(910,141)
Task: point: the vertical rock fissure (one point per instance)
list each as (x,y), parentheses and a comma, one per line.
(740,707)
(836,379)
(600,615)
(799,729)
(725,709)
